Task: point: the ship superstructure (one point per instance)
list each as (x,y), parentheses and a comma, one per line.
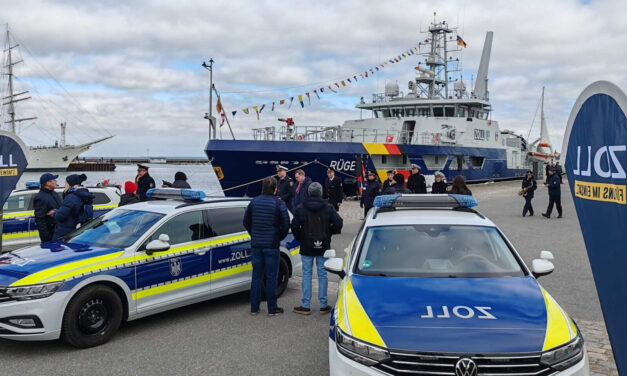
(437,124)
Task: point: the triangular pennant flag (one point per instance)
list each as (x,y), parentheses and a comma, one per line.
(355,77)
(272,106)
(403,55)
(366,73)
(382,66)
(300,99)
(330,88)
(343,83)
(245,111)
(377,68)
(219,106)
(222,116)
(322,90)
(391,61)
(316,92)
(291,100)
(282,101)
(257,111)
(234,112)
(349,80)
(361,75)
(308,98)
(371,71)
(336,84)
(395,59)
(262,107)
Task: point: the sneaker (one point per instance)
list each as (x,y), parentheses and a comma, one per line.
(254,313)
(325,310)
(302,310)
(546,215)
(279,311)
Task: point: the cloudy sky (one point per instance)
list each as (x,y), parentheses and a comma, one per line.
(133,68)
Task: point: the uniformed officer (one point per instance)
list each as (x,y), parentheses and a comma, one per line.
(416,181)
(333,189)
(555,194)
(439,186)
(285,185)
(389,181)
(144,182)
(370,191)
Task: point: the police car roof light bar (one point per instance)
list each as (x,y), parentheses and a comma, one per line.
(176,194)
(452,201)
(32,185)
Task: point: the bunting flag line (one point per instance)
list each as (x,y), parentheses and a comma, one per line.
(291,101)
(316,92)
(245,111)
(257,111)
(300,99)
(330,88)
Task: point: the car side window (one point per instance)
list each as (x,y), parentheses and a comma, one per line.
(224,221)
(17,203)
(101,198)
(183,228)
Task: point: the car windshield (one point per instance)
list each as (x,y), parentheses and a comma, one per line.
(118,228)
(436,251)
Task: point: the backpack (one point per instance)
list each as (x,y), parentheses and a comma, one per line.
(316,230)
(86,213)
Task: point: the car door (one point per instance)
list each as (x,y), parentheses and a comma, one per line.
(230,249)
(18,221)
(179,274)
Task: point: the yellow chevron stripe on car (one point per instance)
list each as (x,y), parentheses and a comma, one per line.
(360,324)
(295,251)
(50,272)
(558,324)
(191,281)
(340,309)
(17,235)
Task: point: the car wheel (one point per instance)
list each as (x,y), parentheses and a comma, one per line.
(282,279)
(92,317)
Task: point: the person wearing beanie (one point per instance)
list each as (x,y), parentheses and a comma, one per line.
(180,181)
(144,182)
(129,196)
(313,224)
(46,202)
(77,207)
(398,186)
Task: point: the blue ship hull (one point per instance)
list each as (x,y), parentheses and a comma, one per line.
(240,162)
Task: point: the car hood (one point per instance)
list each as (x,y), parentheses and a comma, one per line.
(459,315)
(26,265)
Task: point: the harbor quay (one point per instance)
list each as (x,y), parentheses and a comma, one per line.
(219,337)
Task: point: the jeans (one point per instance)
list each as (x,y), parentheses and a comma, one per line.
(264,260)
(554,199)
(322,280)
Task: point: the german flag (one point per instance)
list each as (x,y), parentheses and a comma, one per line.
(460,42)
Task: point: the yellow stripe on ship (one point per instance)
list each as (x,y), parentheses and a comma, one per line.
(378,149)
(360,324)
(558,325)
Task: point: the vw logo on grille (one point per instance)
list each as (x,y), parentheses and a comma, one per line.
(465,367)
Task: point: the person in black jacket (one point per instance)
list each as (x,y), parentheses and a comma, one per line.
(46,202)
(370,191)
(285,184)
(267,221)
(398,186)
(313,224)
(72,211)
(529,185)
(555,194)
(144,182)
(389,181)
(438,186)
(180,181)
(333,189)
(416,181)
(129,197)
(300,190)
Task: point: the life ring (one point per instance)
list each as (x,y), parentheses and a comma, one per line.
(299,137)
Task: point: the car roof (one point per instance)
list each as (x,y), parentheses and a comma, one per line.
(427,217)
(170,206)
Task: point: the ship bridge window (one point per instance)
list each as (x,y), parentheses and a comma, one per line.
(397,112)
(477,162)
(434,162)
(385,112)
(424,111)
(410,111)
(377,113)
(462,112)
(438,111)
(449,111)
(458,163)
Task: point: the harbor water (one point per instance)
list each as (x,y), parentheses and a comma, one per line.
(199,176)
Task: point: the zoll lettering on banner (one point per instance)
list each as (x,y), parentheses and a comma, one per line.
(595,159)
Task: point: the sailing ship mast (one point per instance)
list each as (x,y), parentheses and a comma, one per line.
(13,97)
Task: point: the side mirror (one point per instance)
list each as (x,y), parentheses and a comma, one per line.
(540,267)
(329,253)
(546,255)
(335,265)
(158,245)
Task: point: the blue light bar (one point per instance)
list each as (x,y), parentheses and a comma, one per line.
(32,185)
(176,194)
(425,201)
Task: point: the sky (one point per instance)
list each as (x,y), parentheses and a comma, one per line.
(132,69)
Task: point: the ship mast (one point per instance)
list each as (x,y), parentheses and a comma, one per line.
(13,97)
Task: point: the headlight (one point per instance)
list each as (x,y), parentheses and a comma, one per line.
(564,356)
(359,351)
(32,291)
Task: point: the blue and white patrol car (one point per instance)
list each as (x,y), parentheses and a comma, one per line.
(432,287)
(19,227)
(131,262)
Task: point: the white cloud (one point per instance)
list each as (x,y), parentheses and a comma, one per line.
(136,65)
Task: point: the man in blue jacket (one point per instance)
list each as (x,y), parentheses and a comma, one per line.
(553,183)
(300,189)
(47,201)
(72,211)
(267,222)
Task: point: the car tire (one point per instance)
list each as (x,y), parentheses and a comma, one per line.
(92,317)
(282,279)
